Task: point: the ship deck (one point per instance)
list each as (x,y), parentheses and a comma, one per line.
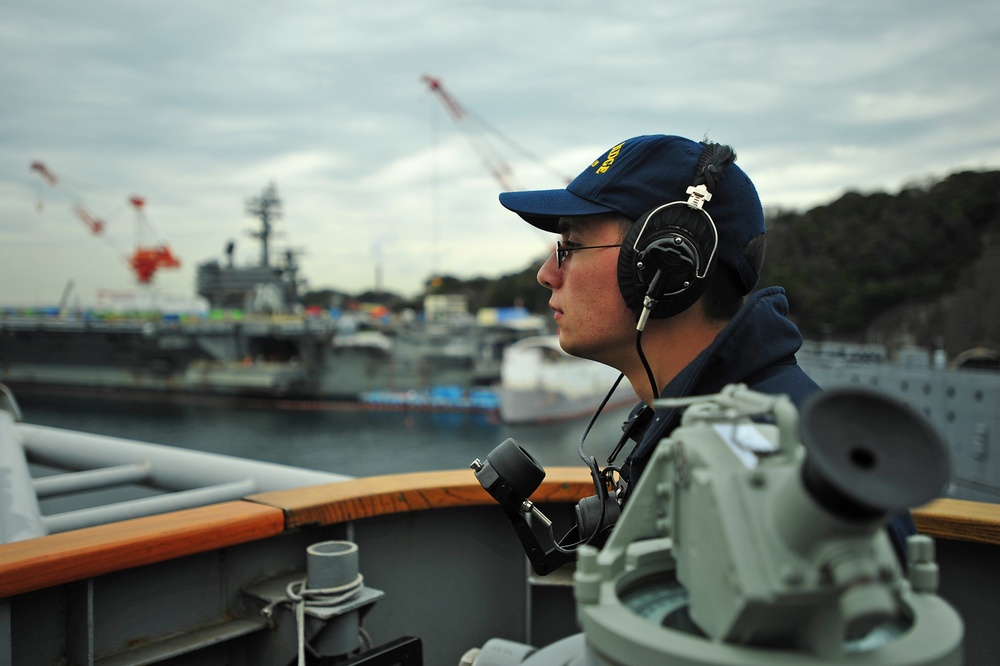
(171,588)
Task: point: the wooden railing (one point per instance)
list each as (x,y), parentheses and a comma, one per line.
(61,558)
(399,493)
(69,556)
(960,520)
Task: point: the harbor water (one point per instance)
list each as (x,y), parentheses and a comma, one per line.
(352,442)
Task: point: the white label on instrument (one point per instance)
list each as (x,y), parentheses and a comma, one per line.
(745,441)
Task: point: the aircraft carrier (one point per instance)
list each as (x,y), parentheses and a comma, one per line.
(255,341)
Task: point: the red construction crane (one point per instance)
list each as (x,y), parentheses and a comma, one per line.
(476,136)
(144,260)
(93,223)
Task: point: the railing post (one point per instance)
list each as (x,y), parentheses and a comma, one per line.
(20,517)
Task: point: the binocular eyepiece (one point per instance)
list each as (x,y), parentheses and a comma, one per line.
(869,454)
(510,475)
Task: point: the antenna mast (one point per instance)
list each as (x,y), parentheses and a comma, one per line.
(267,208)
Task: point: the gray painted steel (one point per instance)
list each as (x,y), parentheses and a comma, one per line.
(107,479)
(149,506)
(172,468)
(20,517)
(73,482)
(453,577)
(964,405)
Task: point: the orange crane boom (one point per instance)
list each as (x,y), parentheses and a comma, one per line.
(489,156)
(499,169)
(95,224)
(144,260)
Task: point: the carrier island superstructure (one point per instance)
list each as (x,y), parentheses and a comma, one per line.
(254,341)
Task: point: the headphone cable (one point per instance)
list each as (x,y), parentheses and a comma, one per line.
(593,419)
(648,305)
(599,486)
(645,365)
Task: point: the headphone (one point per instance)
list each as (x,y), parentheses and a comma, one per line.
(669,253)
(663,268)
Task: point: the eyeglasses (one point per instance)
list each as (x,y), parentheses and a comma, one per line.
(562,251)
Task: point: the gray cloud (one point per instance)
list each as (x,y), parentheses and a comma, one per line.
(198,106)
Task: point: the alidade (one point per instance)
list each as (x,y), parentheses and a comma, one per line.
(750,541)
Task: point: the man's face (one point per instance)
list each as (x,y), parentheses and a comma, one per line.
(591,314)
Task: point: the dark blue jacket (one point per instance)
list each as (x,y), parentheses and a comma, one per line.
(756,348)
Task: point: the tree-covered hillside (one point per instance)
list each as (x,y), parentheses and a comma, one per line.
(847,264)
(918,266)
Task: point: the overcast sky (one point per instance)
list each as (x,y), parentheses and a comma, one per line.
(198,106)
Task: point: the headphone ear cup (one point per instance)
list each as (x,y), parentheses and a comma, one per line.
(676,240)
(676,260)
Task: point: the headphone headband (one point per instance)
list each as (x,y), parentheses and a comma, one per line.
(670,251)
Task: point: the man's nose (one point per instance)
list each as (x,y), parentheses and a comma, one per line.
(549,274)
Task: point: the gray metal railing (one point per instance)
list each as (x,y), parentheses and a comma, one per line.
(157,478)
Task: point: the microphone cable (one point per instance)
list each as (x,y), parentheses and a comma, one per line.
(596,474)
(648,305)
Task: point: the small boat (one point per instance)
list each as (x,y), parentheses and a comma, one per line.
(457,399)
(539,383)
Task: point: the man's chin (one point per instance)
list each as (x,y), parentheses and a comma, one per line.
(570,347)
(580,350)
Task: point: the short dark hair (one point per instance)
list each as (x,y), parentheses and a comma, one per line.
(723,296)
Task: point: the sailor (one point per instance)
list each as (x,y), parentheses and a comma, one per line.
(656,274)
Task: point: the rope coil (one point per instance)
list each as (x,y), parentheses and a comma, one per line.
(301,598)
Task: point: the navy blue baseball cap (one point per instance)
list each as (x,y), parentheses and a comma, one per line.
(642,173)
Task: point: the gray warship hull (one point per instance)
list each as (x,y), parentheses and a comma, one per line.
(264,357)
(255,341)
(185,584)
(964,405)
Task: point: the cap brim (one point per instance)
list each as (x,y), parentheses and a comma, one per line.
(543,208)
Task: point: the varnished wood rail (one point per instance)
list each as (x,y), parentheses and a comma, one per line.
(961,520)
(399,493)
(35,564)
(51,560)
(47,561)
(372,496)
